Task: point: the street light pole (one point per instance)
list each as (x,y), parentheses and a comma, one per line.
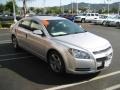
(14,13)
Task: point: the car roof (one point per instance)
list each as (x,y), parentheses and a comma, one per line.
(47,17)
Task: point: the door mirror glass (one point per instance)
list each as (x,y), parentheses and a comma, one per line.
(38,32)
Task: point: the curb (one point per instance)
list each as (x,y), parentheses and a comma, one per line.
(4,29)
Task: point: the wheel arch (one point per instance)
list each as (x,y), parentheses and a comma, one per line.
(52,49)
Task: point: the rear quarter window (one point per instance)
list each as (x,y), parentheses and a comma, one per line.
(25,24)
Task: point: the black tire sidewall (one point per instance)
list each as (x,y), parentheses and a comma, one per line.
(62,71)
(17,46)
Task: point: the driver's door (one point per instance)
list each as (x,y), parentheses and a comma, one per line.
(36,42)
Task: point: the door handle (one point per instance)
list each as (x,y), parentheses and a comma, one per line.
(26,35)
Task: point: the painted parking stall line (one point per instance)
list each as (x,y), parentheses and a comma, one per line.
(6,34)
(5,41)
(12,54)
(79,83)
(16,58)
(113,87)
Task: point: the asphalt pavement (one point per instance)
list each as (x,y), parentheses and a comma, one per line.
(20,70)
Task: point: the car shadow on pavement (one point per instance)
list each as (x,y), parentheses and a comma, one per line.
(38,71)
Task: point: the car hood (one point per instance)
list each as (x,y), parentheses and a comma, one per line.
(87,41)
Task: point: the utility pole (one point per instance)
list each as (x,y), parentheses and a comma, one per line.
(44,6)
(119,9)
(72,6)
(60,6)
(108,6)
(14,13)
(77,7)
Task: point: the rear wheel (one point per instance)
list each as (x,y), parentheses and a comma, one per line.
(14,42)
(56,62)
(105,23)
(118,25)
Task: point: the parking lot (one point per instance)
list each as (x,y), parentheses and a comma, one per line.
(20,70)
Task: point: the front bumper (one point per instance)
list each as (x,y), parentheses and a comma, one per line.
(80,66)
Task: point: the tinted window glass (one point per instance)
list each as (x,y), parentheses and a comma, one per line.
(92,14)
(88,14)
(84,14)
(35,26)
(62,27)
(25,24)
(96,14)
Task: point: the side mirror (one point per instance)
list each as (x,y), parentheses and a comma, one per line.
(38,32)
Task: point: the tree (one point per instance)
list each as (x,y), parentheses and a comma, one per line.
(38,11)
(9,6)
(32,8)
(2,7)
(114,10)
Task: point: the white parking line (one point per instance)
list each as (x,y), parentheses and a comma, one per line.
(4,34)
(5,41)
(113,87)
(15,58)
(11,54)
(79,83)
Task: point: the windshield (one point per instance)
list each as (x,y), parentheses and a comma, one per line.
(62,27)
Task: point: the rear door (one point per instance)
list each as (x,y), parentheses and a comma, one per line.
(22,32)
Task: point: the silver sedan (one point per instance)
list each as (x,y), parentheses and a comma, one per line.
(64,45)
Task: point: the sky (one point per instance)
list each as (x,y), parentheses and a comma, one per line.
(40,3)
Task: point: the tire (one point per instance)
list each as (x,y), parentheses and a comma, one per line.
(15,43)
(83,20)
(56,62)
(104,23)
(118,25)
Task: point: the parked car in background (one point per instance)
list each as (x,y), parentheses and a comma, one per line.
(68,16)
(80,18)
(64,45)
(100,19)
(109,19)
(86,17)
(118,24)
(114,21)
(91,16)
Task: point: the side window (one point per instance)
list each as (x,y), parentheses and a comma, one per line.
(88,14)
(92,14)
(25,24)
(96,14)
(35,26)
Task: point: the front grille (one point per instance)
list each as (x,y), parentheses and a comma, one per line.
(102,51)
(82,69)
(102,59)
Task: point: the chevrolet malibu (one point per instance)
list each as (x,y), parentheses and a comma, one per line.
(64,45)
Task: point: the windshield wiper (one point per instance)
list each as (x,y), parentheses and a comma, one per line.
(64,34)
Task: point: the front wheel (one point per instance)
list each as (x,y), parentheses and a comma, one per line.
(56,62)
(83,20)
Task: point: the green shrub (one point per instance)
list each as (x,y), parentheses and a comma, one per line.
(6,24)
(0,25)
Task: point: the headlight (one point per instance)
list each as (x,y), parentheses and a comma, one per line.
(79,54)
